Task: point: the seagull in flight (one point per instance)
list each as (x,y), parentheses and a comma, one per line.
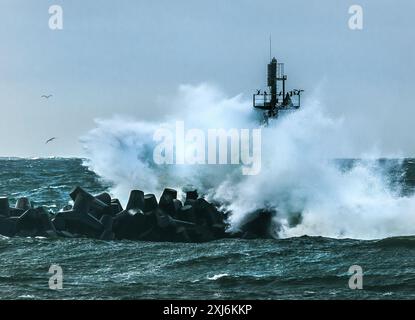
(50,140)
(47,96)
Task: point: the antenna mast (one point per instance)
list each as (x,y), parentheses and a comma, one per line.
(272,101)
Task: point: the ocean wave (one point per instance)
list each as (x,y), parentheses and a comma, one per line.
(300,179)
(218,276)
(396,242)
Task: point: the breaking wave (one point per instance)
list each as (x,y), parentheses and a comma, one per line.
(313,193)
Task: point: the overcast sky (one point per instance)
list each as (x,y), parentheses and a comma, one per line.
(120,57)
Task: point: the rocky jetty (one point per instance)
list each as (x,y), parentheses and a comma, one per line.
(144,218)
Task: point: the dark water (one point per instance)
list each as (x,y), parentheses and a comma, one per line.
(297,268)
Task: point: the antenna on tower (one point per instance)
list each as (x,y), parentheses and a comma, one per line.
(273,100)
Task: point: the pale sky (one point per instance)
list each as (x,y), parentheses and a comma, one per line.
(121,57)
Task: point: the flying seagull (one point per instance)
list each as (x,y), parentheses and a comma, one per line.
(50,140)
(46,96)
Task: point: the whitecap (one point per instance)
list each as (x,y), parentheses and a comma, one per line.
(218,276)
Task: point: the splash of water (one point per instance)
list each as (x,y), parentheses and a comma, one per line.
(299,177)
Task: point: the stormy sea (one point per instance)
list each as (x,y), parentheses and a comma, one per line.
(330,214)
(292,267)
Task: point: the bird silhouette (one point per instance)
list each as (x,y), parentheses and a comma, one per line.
(50,140)
(298,91)
(46,96)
